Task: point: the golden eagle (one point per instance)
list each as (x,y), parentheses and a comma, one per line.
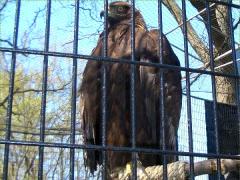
(148,112)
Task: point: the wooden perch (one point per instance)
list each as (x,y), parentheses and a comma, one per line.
(178,170)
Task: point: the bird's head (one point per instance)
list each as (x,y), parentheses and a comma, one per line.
(117,12)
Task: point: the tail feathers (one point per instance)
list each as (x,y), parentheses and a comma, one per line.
(91,158)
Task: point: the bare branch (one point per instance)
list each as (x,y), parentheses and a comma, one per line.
(83,37)
(17,91)
(179,170)
(31,165)
(90,13)
(13,112)
(60,154)
(193,38)
(3,5)
(5,99)
(36,16)
(236,25)
(195,78)
(7,41)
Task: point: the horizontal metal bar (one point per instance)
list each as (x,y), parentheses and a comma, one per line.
(119,149)
(112,60)
(226,64)
(37,134)
(225,3)
(225,54)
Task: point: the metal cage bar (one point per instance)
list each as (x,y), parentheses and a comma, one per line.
(213,81)
(114,60)
(11,89)
(104,91)
(234,60)
(133,92)
(74,90)
(118,149)
(188,89)
(162,99)
(44,91)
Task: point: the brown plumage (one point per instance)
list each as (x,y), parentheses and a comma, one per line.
(118,92)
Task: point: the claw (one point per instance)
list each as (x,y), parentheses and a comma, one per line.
(128,169)
(140,169)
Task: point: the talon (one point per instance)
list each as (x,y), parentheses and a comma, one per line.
(128,169)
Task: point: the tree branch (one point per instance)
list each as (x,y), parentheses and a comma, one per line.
(7,41)
(36,16)
(193,38)
(3,5)
(17,91)
(236,25)
(179,170)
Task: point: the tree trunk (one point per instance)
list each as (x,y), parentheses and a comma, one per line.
(225,87)
(225,90)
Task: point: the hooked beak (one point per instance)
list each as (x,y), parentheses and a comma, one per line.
(102,14)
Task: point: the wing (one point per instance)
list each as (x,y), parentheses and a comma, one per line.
(90,101)
(150,81)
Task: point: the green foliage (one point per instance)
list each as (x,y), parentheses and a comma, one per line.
(25,117)
(25,126)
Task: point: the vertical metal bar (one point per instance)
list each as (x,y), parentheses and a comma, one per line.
(234,60)
(132,91)
(209,29)
(11,91)
(104,91)
(162,100)
(74,90)
(188,93)
(44,92)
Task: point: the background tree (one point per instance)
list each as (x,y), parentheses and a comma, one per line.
(25,121)
(226,90)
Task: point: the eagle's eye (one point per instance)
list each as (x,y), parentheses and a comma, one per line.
(120,9)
